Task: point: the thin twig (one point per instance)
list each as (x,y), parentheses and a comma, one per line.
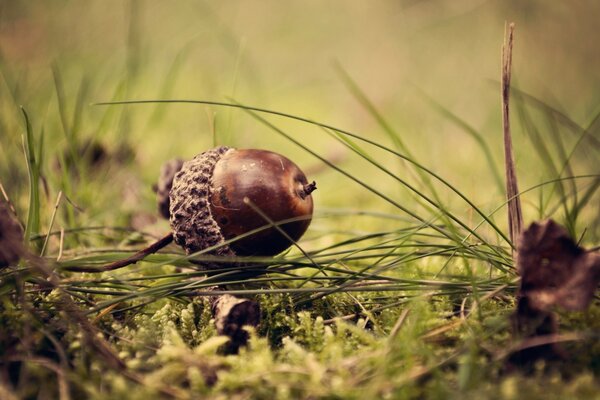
(515,216)
(140,255)
(7,199)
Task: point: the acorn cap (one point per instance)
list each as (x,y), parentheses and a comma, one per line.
(193,226)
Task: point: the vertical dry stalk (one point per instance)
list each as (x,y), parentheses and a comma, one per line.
(515,216)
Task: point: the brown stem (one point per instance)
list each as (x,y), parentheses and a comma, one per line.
(140,255)
(311,187)
(307,189)
(515,215)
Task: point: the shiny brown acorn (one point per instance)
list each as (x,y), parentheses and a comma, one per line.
(223,193)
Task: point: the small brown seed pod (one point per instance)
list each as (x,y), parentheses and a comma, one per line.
(11,237)
(165,182)
(223,193)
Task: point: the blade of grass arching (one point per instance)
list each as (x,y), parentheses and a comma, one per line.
(420,195)
(345,212)
(33,170)
(515,214)
(594,125)
(82,93)
(396,139)
(389,238)
(572,213)
(344,132)
(560,205)
(362,98)
(461,123)
(559,145)
(366,246)
(539,185)
(355,148)
(62,112)
(556,170)
(119,92)
(556,139)
(354,277)
(373,254)
(541,149)
(359,275)
(559,115)
(168,84)
(575,211)
(61,99)
(587,144)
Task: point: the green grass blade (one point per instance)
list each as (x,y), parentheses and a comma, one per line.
(33,170)
(468,129)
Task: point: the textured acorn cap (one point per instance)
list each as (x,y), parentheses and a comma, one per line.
(193,226)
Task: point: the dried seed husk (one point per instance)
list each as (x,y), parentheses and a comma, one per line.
(164,185)
(11,237)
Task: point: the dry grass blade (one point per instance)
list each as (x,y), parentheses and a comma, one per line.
(515,215)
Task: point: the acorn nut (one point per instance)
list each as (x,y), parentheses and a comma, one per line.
(224,192)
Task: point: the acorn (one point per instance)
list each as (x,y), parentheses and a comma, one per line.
(224,192)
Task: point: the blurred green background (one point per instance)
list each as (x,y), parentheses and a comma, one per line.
(58,57)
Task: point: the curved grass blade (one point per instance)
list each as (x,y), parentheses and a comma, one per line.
(33,170)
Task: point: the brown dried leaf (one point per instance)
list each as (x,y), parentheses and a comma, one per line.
(554,269)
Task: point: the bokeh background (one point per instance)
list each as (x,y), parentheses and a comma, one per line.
(416,61)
